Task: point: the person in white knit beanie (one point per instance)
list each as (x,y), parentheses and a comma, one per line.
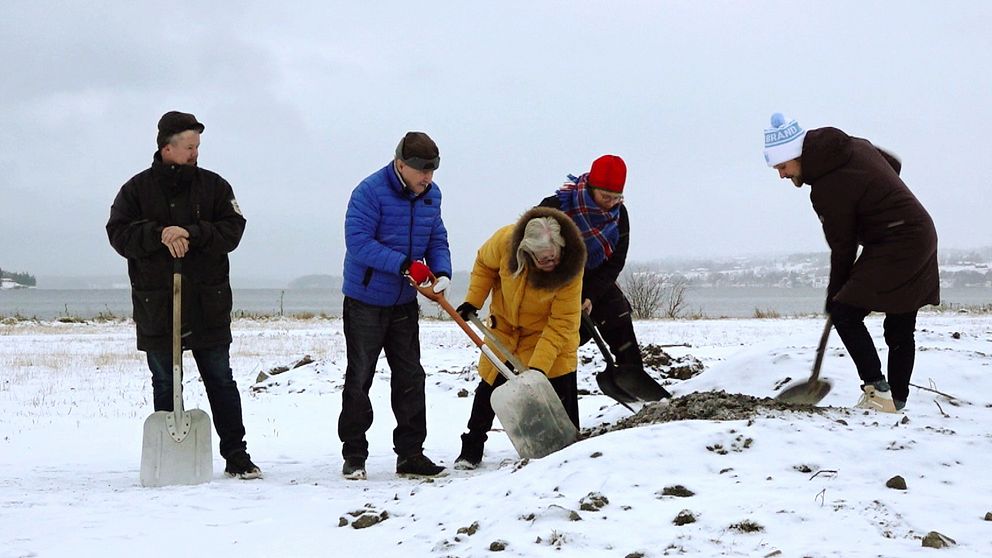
(784,146)
(883,247)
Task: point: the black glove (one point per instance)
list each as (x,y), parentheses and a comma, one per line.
(466,310)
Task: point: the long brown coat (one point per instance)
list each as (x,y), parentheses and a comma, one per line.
(535,314)
(860,199)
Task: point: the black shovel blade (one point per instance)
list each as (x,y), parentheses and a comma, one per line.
(607,384)
(805,393)
(636,382)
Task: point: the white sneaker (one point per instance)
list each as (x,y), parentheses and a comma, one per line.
(462,464)
(354,469)
(878,397)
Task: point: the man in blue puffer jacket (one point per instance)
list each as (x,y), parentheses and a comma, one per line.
(392,225)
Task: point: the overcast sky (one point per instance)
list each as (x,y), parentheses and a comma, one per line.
(302,100)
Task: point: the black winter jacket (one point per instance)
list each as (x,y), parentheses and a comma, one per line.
(203,203)
(860,199)
(600,280)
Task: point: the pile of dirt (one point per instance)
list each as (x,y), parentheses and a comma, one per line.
(676,368)
(707,405)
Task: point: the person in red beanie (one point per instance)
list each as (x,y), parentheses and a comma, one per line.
(594,201)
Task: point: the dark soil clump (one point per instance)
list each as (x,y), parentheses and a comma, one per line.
(680,368)
(677,490)
(747,526)
(707,405)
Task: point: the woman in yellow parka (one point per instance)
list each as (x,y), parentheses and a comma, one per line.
(533,269)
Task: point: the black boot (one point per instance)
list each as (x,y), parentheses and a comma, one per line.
(239,465)
(471,454)
(418,465)
(354,469)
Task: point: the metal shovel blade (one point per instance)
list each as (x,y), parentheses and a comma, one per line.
(532,415)
(167,461)
(813,390)
(805,393)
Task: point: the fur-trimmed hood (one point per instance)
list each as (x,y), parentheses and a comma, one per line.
(573,255)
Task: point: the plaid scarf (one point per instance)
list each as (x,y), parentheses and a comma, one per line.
(600,229)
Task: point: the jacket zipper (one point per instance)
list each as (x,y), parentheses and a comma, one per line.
(409,245)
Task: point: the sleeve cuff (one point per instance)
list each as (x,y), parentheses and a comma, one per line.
(195,235)
(153,237)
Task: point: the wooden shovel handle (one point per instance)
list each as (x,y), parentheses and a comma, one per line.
(428,291)
(493,340)
(820,350)
(177,350)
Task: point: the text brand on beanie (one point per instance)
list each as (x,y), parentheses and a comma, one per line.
(175,122)
(783,141)
(609,172)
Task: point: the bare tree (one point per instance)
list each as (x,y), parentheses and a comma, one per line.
(645,291)
(653,294)
(675,304)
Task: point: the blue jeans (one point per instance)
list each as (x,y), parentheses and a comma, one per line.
(368,331)
(214,365)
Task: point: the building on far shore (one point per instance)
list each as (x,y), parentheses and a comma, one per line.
(7,283)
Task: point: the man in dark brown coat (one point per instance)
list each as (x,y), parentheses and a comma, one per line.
(861,201)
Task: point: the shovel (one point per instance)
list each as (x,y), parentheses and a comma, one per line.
(527,406)
(176,444)
(624,383)
(495,342)
(813,390)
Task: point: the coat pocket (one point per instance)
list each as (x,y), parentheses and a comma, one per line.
(152,311)
(216,303)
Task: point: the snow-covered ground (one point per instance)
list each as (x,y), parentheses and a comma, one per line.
(73,398)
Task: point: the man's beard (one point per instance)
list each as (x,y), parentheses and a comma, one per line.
(797,180)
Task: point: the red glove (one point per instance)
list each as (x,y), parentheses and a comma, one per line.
(419,272)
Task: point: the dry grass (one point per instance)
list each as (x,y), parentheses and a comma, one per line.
(766,314)
(964,308)
(93,370)
(319,345)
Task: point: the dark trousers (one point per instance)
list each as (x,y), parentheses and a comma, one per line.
(611,313)
(214,365)
(369,330)
(480,421)
(849,321)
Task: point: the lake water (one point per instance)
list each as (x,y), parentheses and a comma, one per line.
(735,302)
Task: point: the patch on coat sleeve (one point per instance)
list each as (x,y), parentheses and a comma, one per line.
(237,208)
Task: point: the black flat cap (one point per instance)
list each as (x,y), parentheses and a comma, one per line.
(175,122)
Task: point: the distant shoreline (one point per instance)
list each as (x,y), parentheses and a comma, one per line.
(70,305)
